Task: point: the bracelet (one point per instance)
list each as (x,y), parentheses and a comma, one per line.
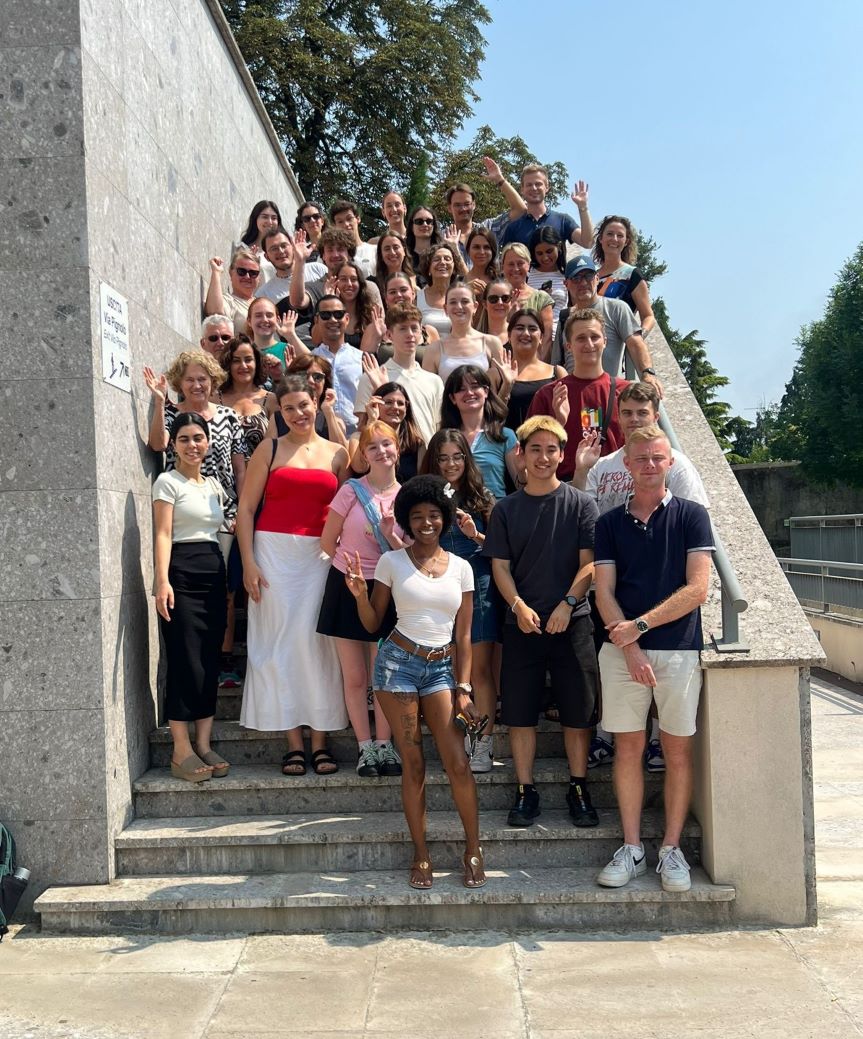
(518,598)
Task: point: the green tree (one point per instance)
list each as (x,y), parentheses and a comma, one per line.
(358,92)
(465,164)
(819,414)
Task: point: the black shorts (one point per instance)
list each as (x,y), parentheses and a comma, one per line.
(339,618)
(570,659)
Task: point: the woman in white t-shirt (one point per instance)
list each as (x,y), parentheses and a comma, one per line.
(188,510)
(413,674)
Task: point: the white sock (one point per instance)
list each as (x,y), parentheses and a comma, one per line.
(364,744)
(381,743)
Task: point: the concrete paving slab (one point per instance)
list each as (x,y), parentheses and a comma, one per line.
(307,1002)
(343,953)
(115,1005)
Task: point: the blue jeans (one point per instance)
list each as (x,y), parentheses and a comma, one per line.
(397,671)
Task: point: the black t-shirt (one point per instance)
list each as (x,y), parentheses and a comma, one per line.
(541,536)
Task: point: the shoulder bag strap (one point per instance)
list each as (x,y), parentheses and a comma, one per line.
(372,513)
(606,415)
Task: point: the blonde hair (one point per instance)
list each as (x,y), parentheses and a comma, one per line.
(244,254)
(540,424)
(517,248)
(645,433)
(378,428)
(181,362)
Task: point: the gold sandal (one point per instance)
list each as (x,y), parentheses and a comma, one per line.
(421,876)
(474,870)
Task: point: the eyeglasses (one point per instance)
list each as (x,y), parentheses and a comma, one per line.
(584,276)
(498,299)
(424,220)
(218,338)
(245,272)
(331,315)
(307,218)
(317,376)
(457,459)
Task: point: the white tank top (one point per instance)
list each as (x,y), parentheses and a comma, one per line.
(449,363)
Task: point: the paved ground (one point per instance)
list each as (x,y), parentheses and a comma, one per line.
(783,983)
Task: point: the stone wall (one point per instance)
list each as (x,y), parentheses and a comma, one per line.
(776,491)
(135,147)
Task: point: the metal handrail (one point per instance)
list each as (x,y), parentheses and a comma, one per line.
(821,519)
(822,564)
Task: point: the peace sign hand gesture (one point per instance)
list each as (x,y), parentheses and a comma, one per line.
(354,576)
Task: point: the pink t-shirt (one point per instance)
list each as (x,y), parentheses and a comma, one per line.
(357,534)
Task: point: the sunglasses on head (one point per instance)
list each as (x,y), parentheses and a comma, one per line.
(498,298)
(244,272)
(331,315)
(217,338)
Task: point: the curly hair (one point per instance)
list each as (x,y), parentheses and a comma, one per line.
(458,268)
(227,357)
(336,236)
(629,253)
(423,490)
(181,362)
(483,232)
(494,413)
(470,493)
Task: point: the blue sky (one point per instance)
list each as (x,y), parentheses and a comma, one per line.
(730,132)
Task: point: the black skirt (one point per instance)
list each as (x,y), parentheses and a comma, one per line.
(193,638)
(339,617)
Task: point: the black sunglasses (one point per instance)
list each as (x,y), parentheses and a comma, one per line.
(307,218)
(498,299)
(331,315)
(244,272)
(216,338)
(424,220)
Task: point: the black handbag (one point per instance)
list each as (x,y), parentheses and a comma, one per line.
(11,887)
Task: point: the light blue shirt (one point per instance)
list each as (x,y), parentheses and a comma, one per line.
(347,365)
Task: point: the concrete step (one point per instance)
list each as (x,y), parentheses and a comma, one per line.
(293,903)
(368,841)
(263,790)
(247,747)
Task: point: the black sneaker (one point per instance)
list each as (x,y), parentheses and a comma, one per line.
(525,809)
(581,808)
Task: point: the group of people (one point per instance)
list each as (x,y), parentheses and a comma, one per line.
(415,457)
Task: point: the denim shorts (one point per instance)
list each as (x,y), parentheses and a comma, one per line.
(397,671)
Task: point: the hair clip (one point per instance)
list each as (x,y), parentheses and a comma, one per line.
(449,490)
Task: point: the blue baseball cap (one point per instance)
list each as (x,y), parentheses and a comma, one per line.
(580,263)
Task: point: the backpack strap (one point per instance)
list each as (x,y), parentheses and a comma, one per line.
(606,417)
(373,515)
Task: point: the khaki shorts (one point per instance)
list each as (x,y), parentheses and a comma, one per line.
(625,704)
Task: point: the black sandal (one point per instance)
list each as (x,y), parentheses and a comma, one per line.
(323,762)
(295,760)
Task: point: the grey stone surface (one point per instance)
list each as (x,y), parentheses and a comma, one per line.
(39,460)
(43,212)
(62,751)
(41,100)
(34,674)
(48,324)
(774,626)
(48,545)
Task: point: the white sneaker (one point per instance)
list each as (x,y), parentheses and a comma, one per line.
(673,869)
(628,863)
(483,755)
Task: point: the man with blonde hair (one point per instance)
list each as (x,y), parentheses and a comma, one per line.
(653,559)
(534,188)
(540,541)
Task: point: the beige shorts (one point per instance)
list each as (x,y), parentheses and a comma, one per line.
(625,704)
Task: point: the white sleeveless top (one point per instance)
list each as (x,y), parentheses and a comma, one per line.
(449,363)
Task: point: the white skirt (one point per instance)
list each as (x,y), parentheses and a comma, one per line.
(293,676)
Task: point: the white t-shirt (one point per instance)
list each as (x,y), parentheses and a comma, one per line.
(609,482)
(198,513)
(425,606)
(366,258)
(278,288)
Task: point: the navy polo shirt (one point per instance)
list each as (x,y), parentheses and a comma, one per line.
(521,229)
(650,559)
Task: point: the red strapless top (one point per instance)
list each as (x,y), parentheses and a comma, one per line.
(296,501)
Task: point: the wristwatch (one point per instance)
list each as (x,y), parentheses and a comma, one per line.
(648,371)
(642,625)
(570,601)
(466,686)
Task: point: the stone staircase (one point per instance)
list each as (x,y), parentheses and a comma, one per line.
(258,851)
